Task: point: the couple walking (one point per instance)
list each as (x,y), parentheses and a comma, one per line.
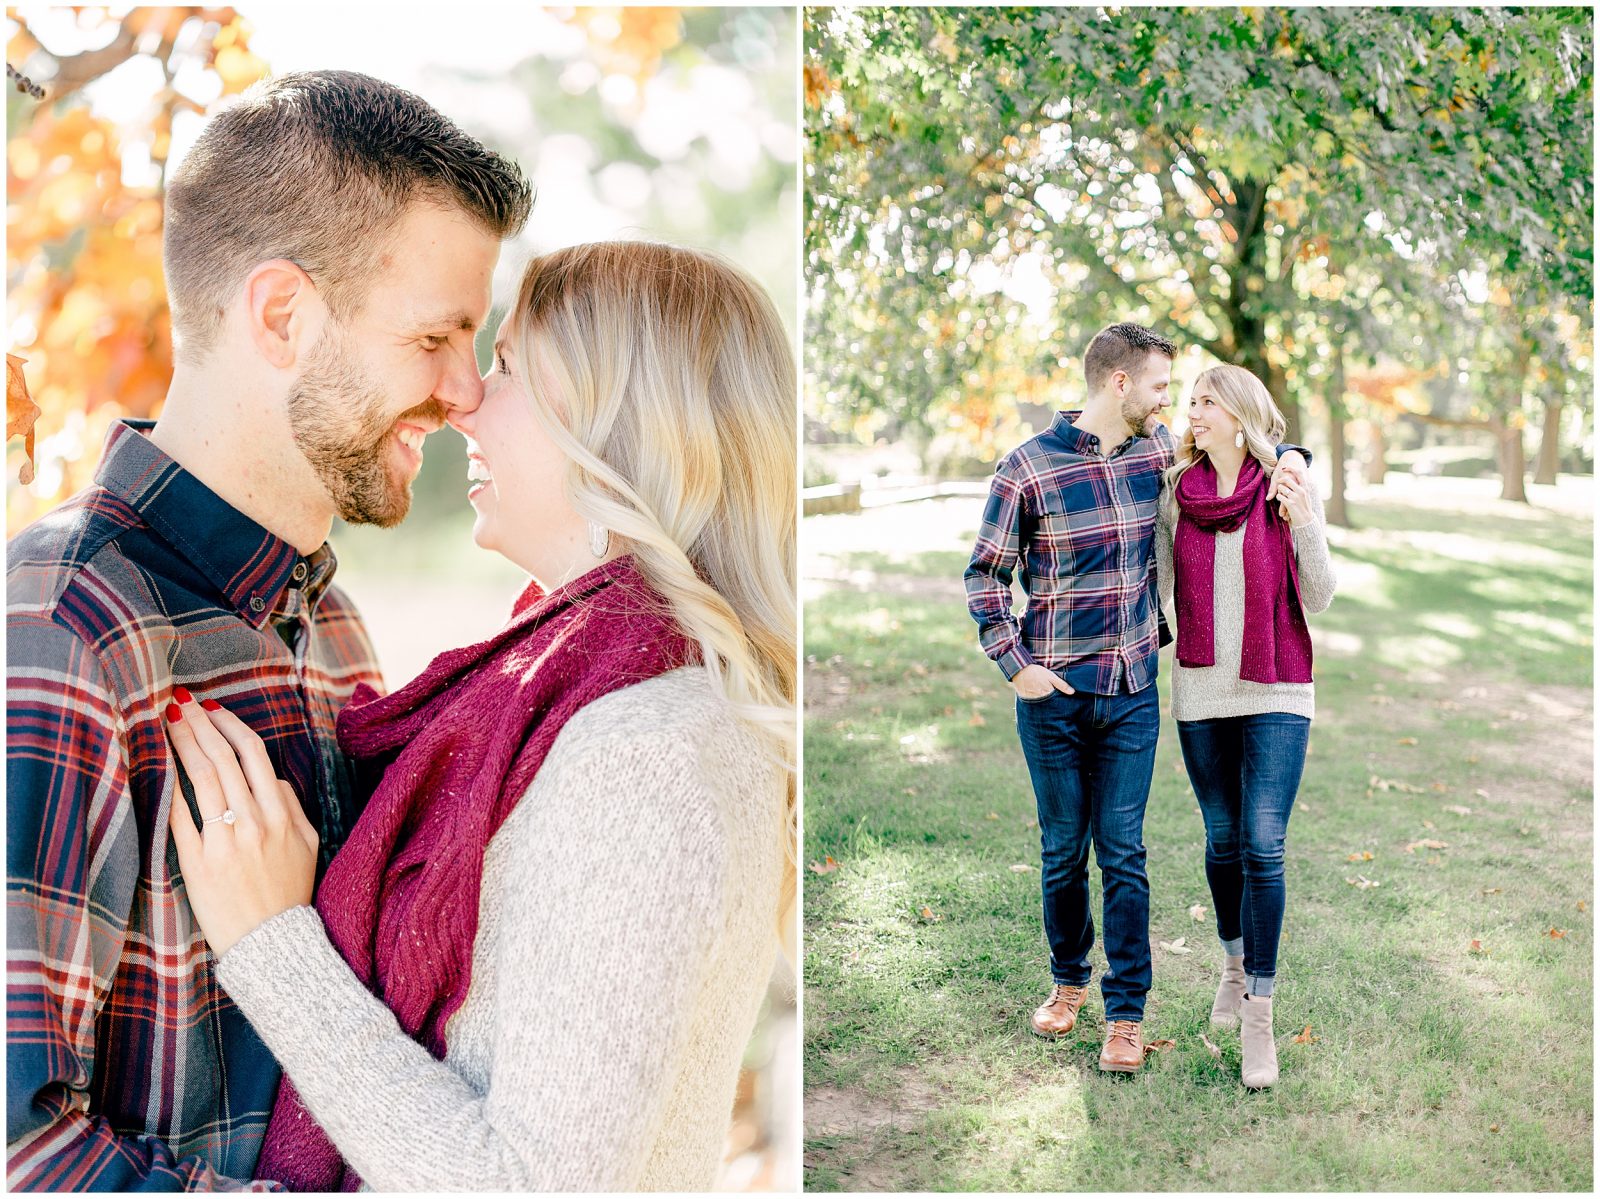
(550,873)
(1109,520)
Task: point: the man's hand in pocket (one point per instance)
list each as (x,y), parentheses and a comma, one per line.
(1036,682)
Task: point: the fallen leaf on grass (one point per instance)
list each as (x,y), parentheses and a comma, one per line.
(826,866)
(909,791)
(1441,787)
(1197,913)
(1210,1048)
(1481,793)
(977,720)
(1177,946)
(992,816)
(1305,1038)
(1406,741)
(1020,868)
(1490,891)
(1555,934)
(1429,825)
(1158,1046)
(1361,882)
(1378,784)
(1494,1128)
(930,915)
(1457,809)
(1364,856)
(1477,949)
(1582,907)
(1426,843)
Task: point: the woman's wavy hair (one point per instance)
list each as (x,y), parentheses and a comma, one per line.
(1245,398)
(671,390)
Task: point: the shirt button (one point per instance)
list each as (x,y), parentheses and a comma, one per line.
(257,604)
(300,572)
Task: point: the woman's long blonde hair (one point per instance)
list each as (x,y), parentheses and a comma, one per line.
(1245,398)
(674,400)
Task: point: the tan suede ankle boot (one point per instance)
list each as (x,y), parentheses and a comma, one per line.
(1225,1011)
(1260,1065)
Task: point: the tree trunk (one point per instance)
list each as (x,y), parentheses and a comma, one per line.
(1244,307)
(1338,512)
(1377,462)
(1512,461)
(1508,433)
(1549,443)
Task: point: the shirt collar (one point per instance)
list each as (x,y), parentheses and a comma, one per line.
(251,567)
(1080,442)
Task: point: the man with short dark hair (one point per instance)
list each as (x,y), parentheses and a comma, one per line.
(329,247)
(1075,507)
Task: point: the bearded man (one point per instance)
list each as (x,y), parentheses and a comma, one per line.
(329,244)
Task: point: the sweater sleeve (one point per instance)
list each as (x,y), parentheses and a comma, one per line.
(1164,535)
(608,917)
(1313,559)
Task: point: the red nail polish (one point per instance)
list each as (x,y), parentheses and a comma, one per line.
(181,694)
(210,705)
(174,714)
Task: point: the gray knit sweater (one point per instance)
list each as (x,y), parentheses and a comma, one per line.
(1208,692)
(625,939)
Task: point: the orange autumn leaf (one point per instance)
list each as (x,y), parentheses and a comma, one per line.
(1305,1037)
(826,866)
(1555,934)
(21,413)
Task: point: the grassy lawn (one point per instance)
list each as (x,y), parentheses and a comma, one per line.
(1454,676)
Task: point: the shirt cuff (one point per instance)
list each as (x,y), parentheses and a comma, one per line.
(1013,661)
(1284,447)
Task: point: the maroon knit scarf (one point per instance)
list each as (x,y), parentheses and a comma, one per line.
(1277,644)
(456,749)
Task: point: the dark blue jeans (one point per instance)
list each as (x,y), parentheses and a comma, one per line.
(1091,758)
(1245,771)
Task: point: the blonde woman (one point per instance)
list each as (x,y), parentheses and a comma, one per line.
(537,960)
(1244,573)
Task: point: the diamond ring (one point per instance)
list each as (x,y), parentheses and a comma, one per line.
(227,818)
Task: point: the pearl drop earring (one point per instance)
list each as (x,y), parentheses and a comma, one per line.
(599,539)
(1238,440)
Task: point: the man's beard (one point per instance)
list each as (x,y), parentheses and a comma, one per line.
(338,419)
(1135,415)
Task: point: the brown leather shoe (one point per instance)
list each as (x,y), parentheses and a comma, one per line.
(1124,1048)
(1058,1015)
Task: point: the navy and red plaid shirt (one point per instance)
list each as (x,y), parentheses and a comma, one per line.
(1081,524)
(127,1067)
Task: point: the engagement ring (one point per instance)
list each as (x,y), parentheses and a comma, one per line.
(227,818)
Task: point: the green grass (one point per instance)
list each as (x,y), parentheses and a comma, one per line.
(1432,1067)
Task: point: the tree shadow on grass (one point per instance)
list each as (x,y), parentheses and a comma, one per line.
(1428,1066)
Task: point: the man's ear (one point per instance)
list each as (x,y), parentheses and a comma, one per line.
(283,311)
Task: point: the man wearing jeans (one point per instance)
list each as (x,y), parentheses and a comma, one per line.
(1076,507)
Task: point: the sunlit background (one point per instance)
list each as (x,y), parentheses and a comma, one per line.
(662,123)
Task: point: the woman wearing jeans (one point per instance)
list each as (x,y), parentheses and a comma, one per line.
(1244,573)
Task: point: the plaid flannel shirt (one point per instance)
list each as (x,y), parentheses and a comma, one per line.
(127,1067)
(1081,525)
